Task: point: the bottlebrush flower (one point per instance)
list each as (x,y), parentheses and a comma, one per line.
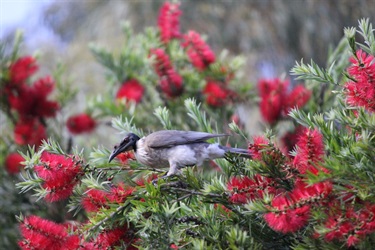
(120,193)
(256,148)
(273,97)
(288,221)
(200,54)
(297,98)
(276,101)
(29,132)
(22,69)
(13,163)
(39,233)
(170,80)
(94,200)
(132,90)
(109,239)
(81,123)
(361,91)
(246,189)
(60,174)
(31,101)
(310,152)
(216,94)
(168,21)
(289,139)
(125,157)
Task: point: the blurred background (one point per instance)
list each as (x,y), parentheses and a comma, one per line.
(271,34)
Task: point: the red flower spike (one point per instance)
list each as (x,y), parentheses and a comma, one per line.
(255,149)
(120,193)
(290,139)
(168,21)
(200,54)
(39,233)
(216,94)
(170,80)
(60,175)
(125,157)
(310,152)
(109,239)
(245,189)
(13,163)
(29,131)
(94,200)
(22,69)
(273,98)
(287,218)
(297,98)
(81,123)
(361,91)
(131,90)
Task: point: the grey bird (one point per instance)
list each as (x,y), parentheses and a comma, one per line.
(174,149)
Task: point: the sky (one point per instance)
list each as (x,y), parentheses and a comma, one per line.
(17,13)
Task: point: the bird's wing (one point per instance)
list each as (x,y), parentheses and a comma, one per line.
(170,138)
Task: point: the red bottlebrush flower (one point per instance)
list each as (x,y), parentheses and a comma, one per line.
(22,69)
(246,189)
(60,175)
(216,94)
(289,140)
(170,80)
(288,221)
(29,132)
(132,90)
(142,181)
(200,54)
(361,91)
(273,97)
(94,200)
(120,193)
(125,157)
(81,123)
(310,151)
(297,98)
(31,101)
(168,21)
(13,163)
(109,239)
(39,233)
(255,149)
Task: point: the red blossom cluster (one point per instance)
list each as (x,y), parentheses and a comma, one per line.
(246,189)
(360,90)
(310,152)
(291,210)
(170,80)
(95,199)
(349,225)
(29,102)
(80,123)
(217,94)
(168,21)
(131,90)
(43,234)
(276,101)
(109,239)
(13,163)
(60,174)
(200,54)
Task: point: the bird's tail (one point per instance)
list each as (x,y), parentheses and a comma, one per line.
(239,151)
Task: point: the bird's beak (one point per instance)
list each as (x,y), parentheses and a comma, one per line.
(118,150)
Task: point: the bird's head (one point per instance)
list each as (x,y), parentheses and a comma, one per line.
(127,144)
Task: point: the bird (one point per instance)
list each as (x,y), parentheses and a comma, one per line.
(174,149)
